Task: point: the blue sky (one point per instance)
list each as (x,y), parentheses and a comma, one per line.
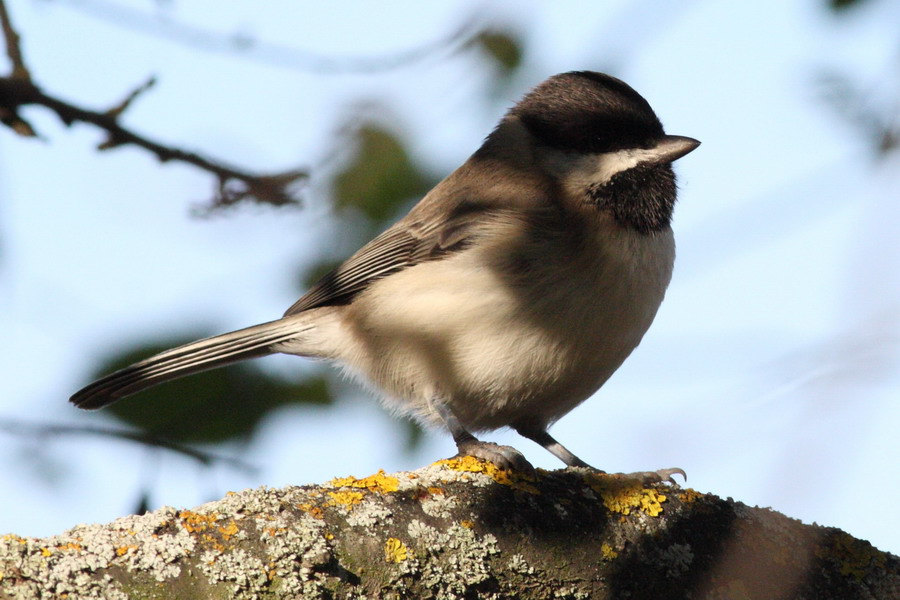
(770,374)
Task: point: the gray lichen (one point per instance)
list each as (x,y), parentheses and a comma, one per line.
(456,529)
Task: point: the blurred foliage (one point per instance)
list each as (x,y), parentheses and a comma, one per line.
(227,404)
(380,177)
(317,272)
(861,101)
(374,184)
(214,406)
(876,122)
(838,5)
(504,49)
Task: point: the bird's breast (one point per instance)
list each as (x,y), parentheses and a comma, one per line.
(493,342)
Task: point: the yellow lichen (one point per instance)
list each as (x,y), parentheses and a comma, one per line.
(467,524)
(607,552)
(204,525)
(211,542)
(11,537)
(312,510)
(395,551)
(651,502)
(271,570)
(689,496)
(195,522)
(123,550)
(379,482)
(46,551)
(345,498)
(470,464)
(228,530)
(621,495)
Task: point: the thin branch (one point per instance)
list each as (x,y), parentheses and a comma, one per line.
(245,46)
(119,108)
(44,430)
(13,46)
(233,183)
(9,114)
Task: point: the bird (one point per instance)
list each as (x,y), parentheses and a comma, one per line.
(508,295)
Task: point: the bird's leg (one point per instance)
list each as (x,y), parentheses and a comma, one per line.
(547,441)
(505,457)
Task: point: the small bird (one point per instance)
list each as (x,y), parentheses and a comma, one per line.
(509,294)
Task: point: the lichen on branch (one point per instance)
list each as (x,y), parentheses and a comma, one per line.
(459,528)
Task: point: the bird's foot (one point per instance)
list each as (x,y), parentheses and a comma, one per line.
(660,476)
(505,457)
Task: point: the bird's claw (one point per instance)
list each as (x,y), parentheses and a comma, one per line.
(505,457)
(660,476)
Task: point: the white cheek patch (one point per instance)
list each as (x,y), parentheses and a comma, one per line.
(609,164)
(588,170)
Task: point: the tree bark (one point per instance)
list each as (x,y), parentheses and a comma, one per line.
(456,529)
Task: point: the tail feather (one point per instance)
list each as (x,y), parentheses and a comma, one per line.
(194,357)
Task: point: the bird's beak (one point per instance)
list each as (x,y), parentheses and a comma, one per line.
(672,147)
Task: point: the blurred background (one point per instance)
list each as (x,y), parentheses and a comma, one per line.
(770,374)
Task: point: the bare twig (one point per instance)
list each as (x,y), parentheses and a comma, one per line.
(13,47)
(119,108)
(233,184)
(48,430)
(9,115)
(245,46)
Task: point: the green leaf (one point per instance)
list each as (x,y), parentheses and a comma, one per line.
(503,48)
(215,406)
(381,177)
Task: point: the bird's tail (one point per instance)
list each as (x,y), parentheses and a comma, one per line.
(194,357)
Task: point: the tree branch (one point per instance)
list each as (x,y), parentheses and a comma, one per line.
(119,108)
(13,46)
(37,430)
(457,529)
(233,184)
(245,46)
(9,114)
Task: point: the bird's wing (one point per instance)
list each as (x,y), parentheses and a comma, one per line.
(407,243)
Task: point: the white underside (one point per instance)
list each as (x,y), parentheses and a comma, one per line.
(452,330)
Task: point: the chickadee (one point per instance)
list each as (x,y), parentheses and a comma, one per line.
(509,294)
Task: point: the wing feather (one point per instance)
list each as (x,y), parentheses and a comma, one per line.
(400,247)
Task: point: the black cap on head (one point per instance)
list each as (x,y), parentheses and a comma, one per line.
(585,111)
